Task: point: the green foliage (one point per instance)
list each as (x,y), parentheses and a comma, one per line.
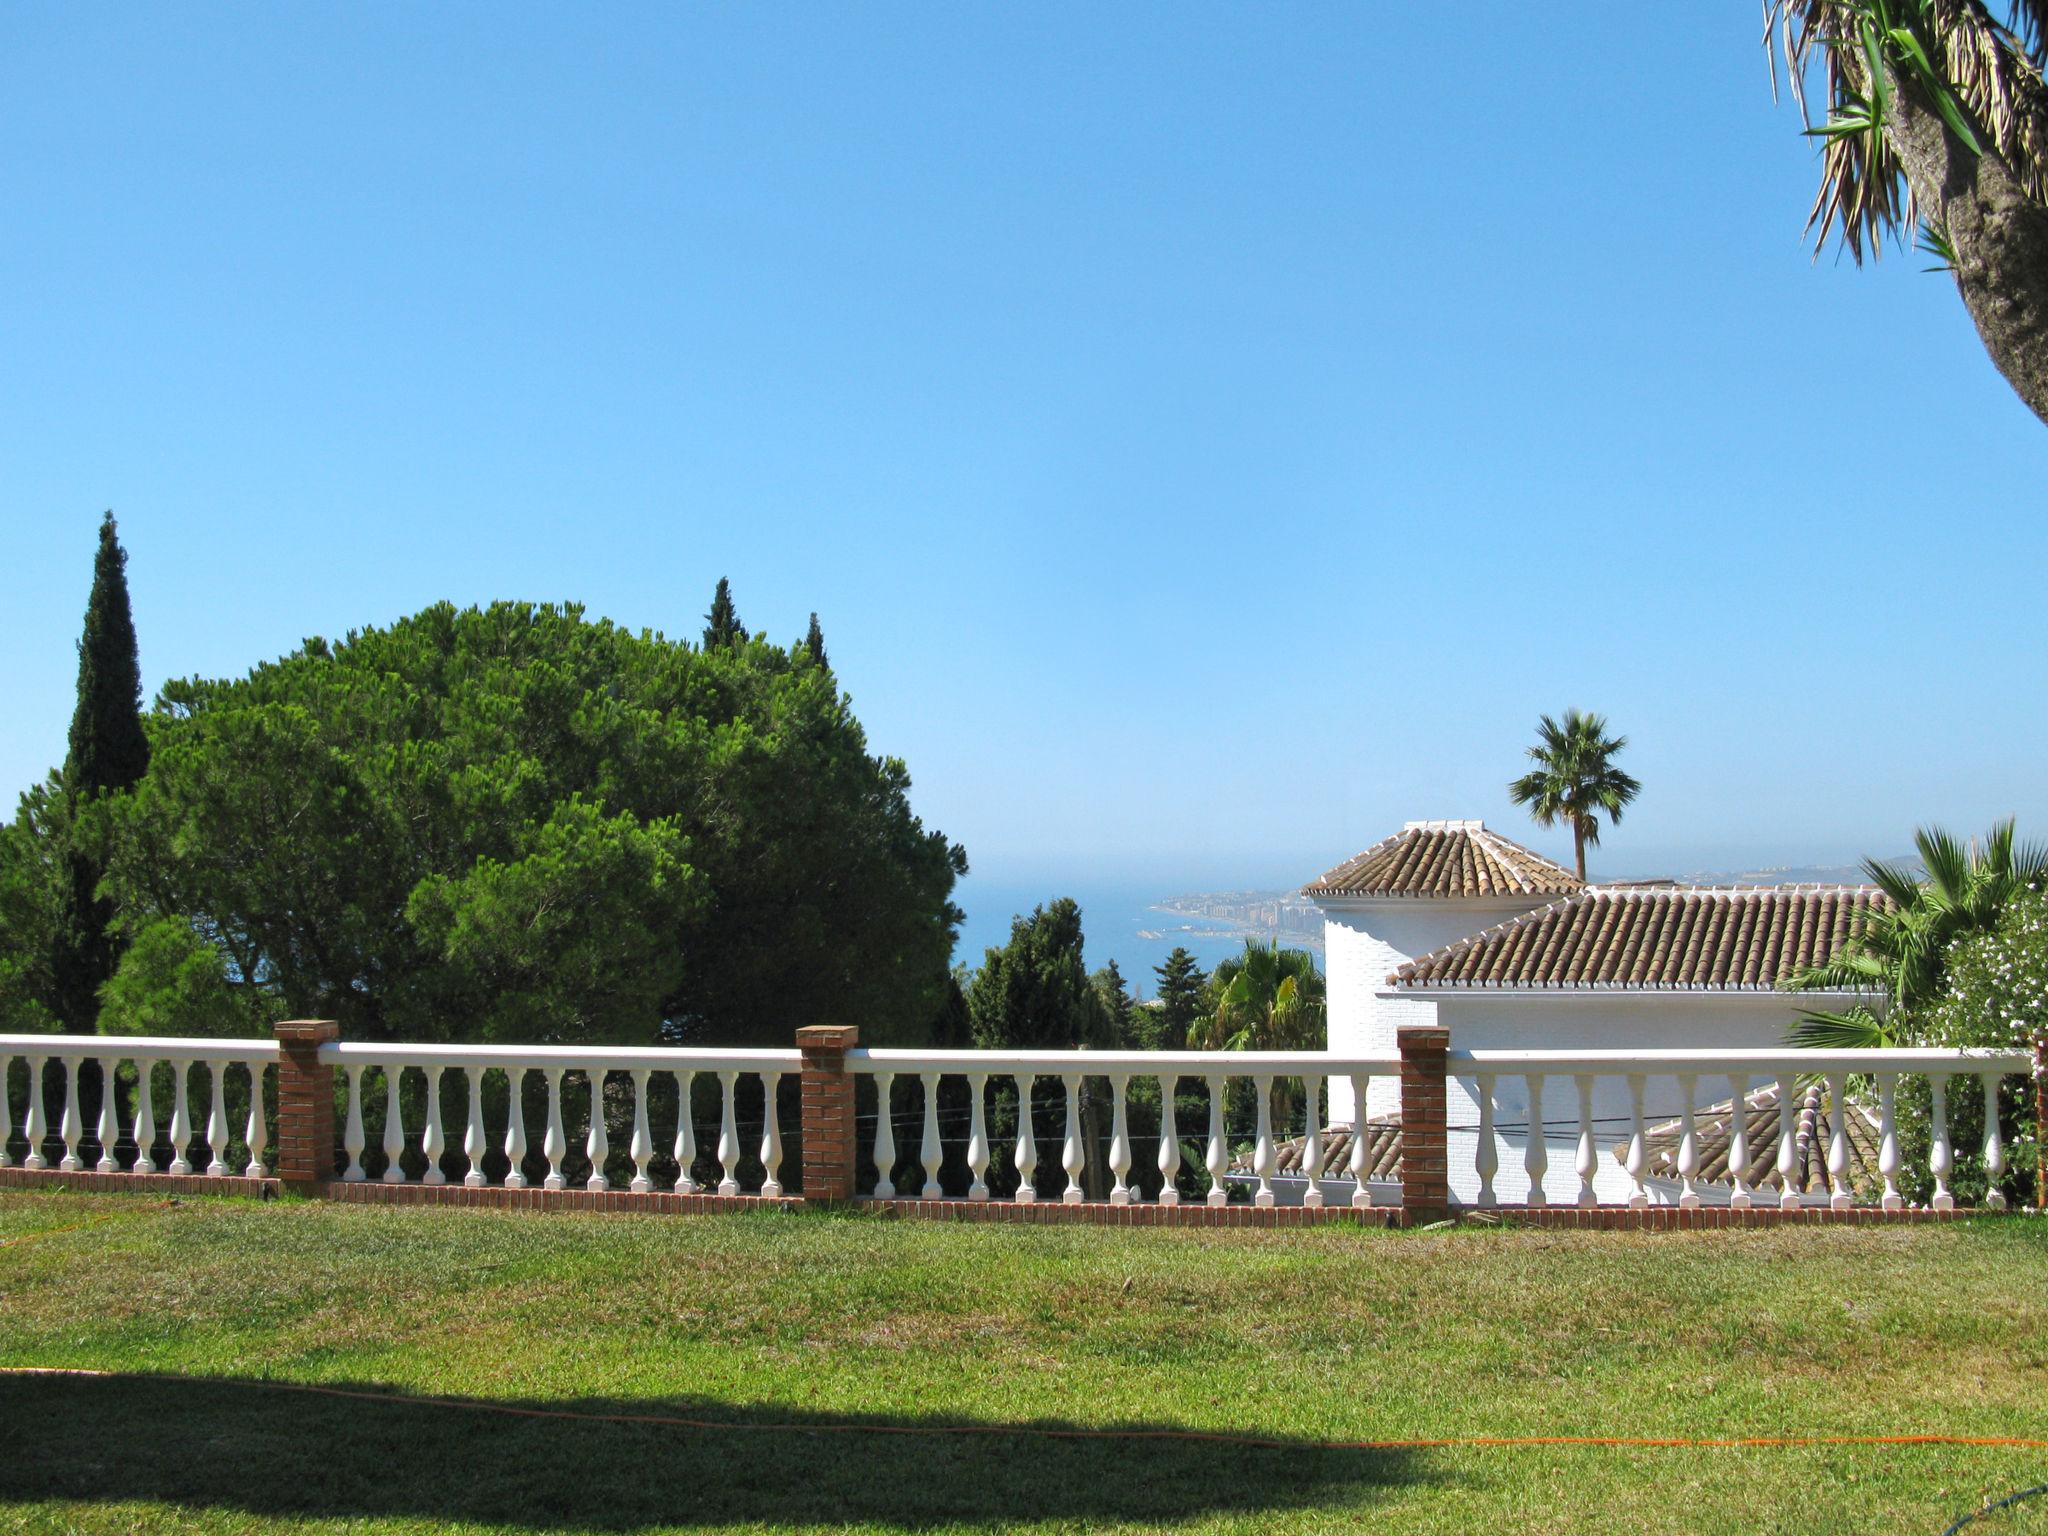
(1903,951)
(1034,993)
(108,753)
(1121,1011)
(515,822)
(1267,999)
(722,627)
(1183,995)
(34,874)
(171,981)
(1995,992)
(814,643)
(1575,779)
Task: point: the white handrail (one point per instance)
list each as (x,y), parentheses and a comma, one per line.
(612,1058)
(1124,1063)
(138,1047)
(1770,1059)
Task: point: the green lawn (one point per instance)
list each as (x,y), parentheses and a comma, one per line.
(823,1322)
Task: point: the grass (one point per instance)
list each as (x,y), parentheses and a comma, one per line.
(803,1325)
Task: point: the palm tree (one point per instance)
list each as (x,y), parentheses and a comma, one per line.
(1937,115)
(1902,950)
(1267,999)
(1575,779)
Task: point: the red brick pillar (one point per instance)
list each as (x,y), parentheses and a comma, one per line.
(305,1102)
(827,1110)
(1425,1165)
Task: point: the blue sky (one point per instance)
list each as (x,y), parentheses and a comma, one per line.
(1209,434)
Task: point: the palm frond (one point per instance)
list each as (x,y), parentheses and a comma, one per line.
(1856,1030)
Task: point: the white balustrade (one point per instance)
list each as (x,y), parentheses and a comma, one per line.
(70,1130)
(1688,1144)
(145,1118)
(977,1136)
(1486,1157)
(771,1137)
(1535,1150)
(1218,1161)
(1994,1144)
(1119,1143)
(1312,1142)
(729,1134)
(931,1152)
(1738,1141)
(1888,1146)
(352,1134)
(515,1127)
(556,1141)
(642,1149)
(107,1131)
(1788,1144)
(1361,1197)
(1638,1145)
(1940,1158)
(1588,1161)
(1071,1157)
(1840,1196)
(394,1127)
(181,1127)
(885,1138)
(1169,1141)
(1026,1156)
(34,1128)
(473,1138)
(597,1145)
(217,1121)
(1265,1156)
(6,1110)
(686,1135)
(432,1141)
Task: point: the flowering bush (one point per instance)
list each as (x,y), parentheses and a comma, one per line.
(1996,990)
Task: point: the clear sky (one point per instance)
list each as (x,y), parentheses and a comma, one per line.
(1209,434)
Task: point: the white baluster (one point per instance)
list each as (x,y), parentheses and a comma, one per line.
(515,1127)
(729,1136)
(1638,1146)
(1119,1143)
(1941,1159)
(1788,1146)
(1738,1141)
(7,1114)
(473,1143)
(643,1139)
(931,1152)
(217,1121)
(885,1137)
(686,1135)
(145,1117)
(352,1135)
(432,1142)
(1312,1146)
(597,1145)
(394,1127)
(1588,1162)
(107,1132)
(34,1129)
(1888,1141)
(1265,1156)
(1839,1196)
(771,1137)
(1688,1145)
(556,1142)
(1486,1157)
(181,1125)
(1535,1155)
(1361,1197)
(1994,1145)
(977,1136)
(1026,1156)
(257,1134)
(69,1128)
(1169,1141)
(1070,1154)
(1218,1160)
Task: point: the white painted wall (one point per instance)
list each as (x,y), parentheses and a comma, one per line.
(1566,1021)
(1364,942)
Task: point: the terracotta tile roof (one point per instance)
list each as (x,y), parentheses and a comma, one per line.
(1713,1136)
(1382,1151)
(1448,859)
(1722,938)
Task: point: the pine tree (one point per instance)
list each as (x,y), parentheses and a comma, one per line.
(814,642)
(1182,988)
(1116,1000)
(108,753)
(722,627)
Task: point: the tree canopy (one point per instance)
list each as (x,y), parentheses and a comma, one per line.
(1034,993)
(516,822)
(1575,779)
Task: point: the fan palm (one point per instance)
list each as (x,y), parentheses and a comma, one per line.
(1575,779)
(1937,116)
(1902,950)
(1267,999)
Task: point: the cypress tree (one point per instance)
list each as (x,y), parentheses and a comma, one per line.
(108,753)
(814,642)
(722,627)
(1181,989)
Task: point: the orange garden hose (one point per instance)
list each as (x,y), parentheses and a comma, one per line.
(1045,1432)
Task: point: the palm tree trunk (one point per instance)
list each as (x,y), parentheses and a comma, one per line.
(1579,846)
(2000,236)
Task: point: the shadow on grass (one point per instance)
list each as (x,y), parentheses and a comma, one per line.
(211,1443)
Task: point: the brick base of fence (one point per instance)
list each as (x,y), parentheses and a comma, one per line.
(89,1182)
(497,1198)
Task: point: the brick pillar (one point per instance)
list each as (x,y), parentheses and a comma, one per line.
(1425,1164)
(827,1110)
(305,1102)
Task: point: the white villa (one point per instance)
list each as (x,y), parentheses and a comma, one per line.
(1447,922)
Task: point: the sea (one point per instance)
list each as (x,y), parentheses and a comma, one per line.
(1120,921)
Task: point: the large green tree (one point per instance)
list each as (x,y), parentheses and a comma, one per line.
(1034,992)
(1935,113)
(108,753)
(1266,999)
(1183,992)
(1575,779)
(519,823)
(722,627)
